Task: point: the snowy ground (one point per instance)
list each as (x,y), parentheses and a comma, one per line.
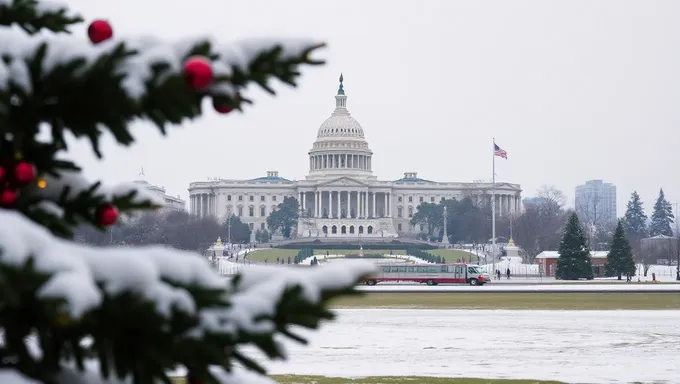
(572,346)
(518,270)
(524,288)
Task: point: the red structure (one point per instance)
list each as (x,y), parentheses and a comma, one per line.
(547,262)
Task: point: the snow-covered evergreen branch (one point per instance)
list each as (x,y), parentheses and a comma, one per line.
(165,302)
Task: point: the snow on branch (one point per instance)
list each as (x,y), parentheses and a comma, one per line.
(63,199)
(33,15)
(68,185)
(75,270)
(195,309)
(125,79)
(70,375)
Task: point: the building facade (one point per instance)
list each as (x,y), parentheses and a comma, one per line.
(340,196)
(595,203)
(172,203)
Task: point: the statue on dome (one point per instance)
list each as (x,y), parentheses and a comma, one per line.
(341,90)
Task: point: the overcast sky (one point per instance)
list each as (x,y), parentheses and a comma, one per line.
(572,90)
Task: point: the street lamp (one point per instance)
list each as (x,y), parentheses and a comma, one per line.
(229,229)
(677,244)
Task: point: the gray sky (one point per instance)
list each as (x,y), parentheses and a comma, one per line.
(573,90)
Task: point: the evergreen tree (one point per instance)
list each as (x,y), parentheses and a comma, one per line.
(72,313)
(574,262)
(635,219)
(662,217)
(285,217)
(620,258)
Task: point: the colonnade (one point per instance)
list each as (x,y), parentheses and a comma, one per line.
(346,204)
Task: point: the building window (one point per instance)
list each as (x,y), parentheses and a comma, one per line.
(399,227)
(252,198)
(273,208)
(273,198)
(400,212)
(421,199)
(432,199)
(262,226)
(240,198)
(410,199)
(228,197)
(263,211)
(410,211)
(251,211)
(240,211)
(251,226)
(262,198)
(400,199)
(443,198)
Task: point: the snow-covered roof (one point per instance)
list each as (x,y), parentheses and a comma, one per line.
(556,255)
(659,237)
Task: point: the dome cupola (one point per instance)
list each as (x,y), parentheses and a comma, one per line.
(340,148)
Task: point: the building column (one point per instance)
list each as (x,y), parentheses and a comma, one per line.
(384,205)
(361,204)
(349,204)
(329,204)
(316,204)
(203,202)
(388,203)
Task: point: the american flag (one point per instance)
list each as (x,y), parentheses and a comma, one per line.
(499,152)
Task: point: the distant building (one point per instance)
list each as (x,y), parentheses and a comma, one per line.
(547,262)
(341,197)
(595,203)
(172,203)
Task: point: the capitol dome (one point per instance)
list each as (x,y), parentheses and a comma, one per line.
(340,148)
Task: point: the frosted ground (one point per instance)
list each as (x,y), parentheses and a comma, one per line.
(664,273)
(572,346)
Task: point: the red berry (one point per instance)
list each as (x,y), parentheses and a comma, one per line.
(198,72)
(8,197)
(2,173)
(24,173)
(221,107)
(107,215)
(99,30)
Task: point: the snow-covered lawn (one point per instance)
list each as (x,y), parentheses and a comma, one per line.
(572,346)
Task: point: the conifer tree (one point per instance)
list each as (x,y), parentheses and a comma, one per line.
(620,257)
(574,262)
(635,219)
(71,313)
(662,217)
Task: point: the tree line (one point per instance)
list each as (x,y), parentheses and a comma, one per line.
(175,228)
(540,227)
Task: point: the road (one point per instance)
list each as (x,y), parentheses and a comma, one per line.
(507,288)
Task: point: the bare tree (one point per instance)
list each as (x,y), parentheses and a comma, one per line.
(654,250)
(589,210)
(476,192)
(539,228)
(526,228)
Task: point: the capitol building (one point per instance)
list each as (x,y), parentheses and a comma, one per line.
(340,196)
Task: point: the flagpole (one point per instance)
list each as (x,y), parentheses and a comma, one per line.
(493,207)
